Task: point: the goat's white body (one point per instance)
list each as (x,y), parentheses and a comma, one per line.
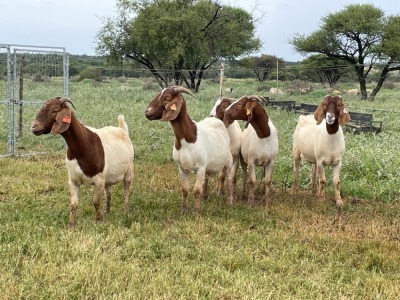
(118,166)
(211,150)
(313,143)
(118,155)
(235,137)
(209,154)
(98,157)
(258,152)
(200,147)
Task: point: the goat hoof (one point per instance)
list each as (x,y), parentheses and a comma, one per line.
(339,203)
(71,225)
(197,210)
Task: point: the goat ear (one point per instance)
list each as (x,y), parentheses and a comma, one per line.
(319,114)
(344,116)
(63,120)
(249,112)
(172,109)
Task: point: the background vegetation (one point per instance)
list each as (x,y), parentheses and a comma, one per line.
(298,248)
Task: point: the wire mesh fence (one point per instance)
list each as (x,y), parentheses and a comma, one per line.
(28,75)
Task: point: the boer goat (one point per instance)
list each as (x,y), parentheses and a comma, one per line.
(321,143)
(200,147)
(99,157)
(234,132)
(259,144)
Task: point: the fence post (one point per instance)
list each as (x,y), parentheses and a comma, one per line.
(221,80)
(66,72)
(10,105)
(21,96)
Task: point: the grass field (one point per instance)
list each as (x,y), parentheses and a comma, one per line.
(298,248)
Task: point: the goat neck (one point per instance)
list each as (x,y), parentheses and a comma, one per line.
(259,121)
(85,146)
(184,127)
(333,128)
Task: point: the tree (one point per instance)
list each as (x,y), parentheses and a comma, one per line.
(168,37)
(324,69)
(261,65)
(390,49)
(353,35)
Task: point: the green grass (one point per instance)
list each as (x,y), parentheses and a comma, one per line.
(298,248)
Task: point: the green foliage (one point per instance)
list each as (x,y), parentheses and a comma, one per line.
(365,19)
(349,34)
(354,35)
(168,36)
(262,65)
(391,37)
(319,68)
(94,73)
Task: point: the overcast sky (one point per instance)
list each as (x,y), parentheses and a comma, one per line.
(73,24)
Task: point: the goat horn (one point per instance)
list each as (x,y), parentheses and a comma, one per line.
(258,98)
(181,89)
(65,99)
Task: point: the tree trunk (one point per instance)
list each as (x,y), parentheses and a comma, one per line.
(382,78)
(199,80)
(363,89)
(362,81)
(192,78)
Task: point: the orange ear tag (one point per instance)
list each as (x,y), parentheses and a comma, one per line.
(67,119)
(173,107)
(248,112)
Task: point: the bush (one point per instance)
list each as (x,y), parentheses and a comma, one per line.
(94,73)
(40,78)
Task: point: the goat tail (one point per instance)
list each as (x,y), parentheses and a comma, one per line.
(121,123)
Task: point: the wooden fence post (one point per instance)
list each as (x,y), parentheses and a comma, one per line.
(221,80)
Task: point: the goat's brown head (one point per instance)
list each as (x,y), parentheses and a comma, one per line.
(167,104)
(333,110)
(54,117)
(219,108)
(242,109)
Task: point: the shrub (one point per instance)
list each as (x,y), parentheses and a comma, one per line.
(94,73)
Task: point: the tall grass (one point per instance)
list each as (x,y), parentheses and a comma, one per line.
(298,248)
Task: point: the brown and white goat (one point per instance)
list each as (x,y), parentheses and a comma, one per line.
(200,147)
(259,144)
(99,157)
(234,132)
(321,143)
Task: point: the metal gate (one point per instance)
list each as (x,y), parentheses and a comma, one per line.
(28,76)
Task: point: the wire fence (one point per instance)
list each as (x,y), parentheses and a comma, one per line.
(27,75)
